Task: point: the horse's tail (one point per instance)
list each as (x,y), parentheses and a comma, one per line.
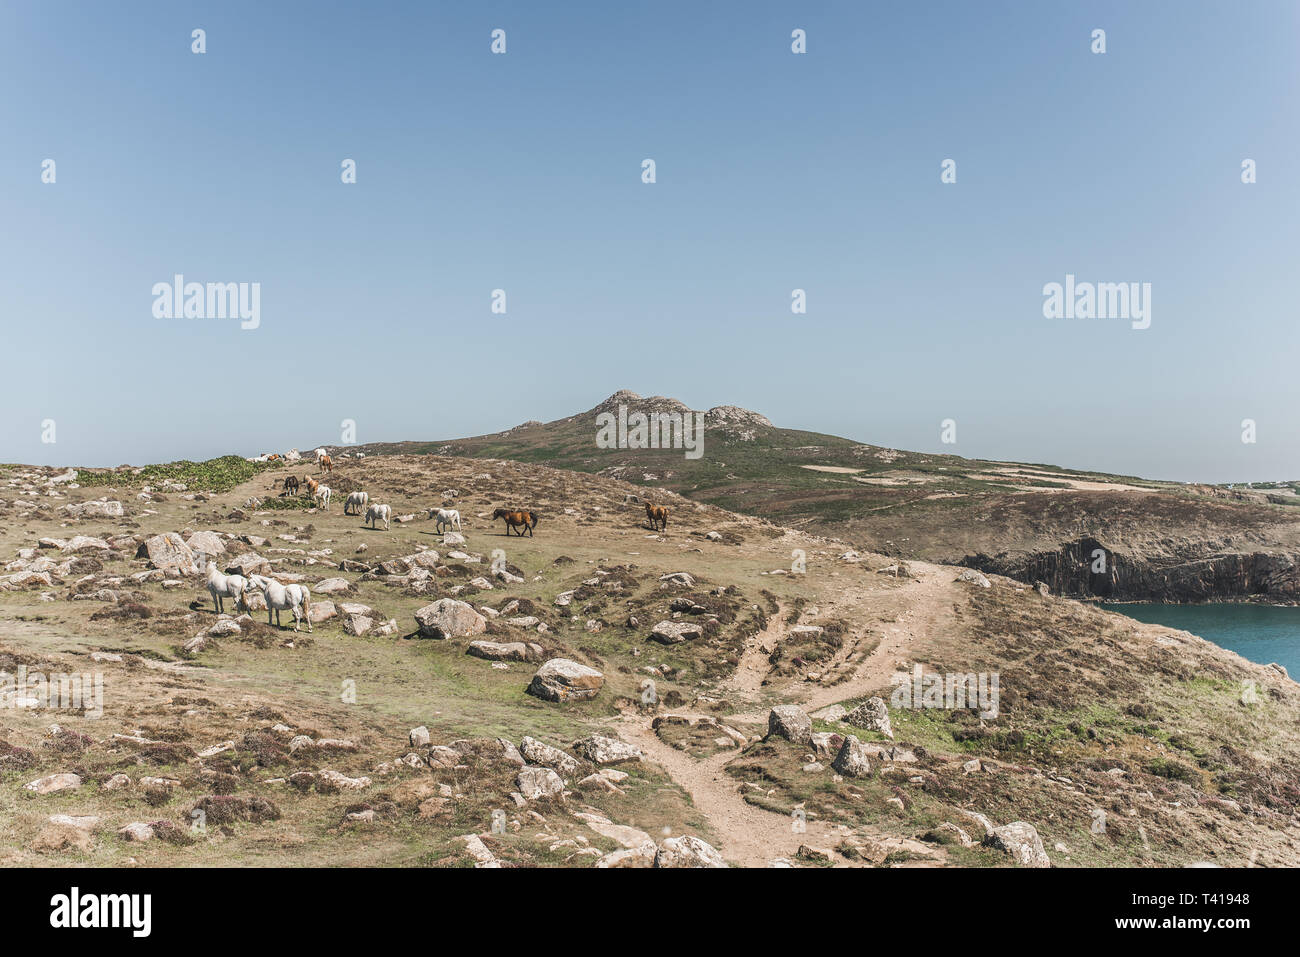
(533,516)
(306,602)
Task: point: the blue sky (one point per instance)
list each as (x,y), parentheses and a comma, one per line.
(775,171)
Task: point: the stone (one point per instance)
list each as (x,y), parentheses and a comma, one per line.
(449,618)
(537,782)
(54,782)
(331,586)
(249,563)
(170,553)
(136,831)
(505,651)
(871,715)
(99,509)
(673,632)
(1021,842)
(852,759)
(419,737)
(562,679)
(973,577)
(790,722)
(538,752)
(688,851)
(602,750)
(643,855)
(321,611)
(210,543)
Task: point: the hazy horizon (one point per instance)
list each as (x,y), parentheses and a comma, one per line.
(776,171)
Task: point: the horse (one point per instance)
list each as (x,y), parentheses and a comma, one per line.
(223,586)
(312,485)
(445,516)
(356,501)
(656,514)
(322,496)
(326,463)
(280,597)
(378,513)
(523,517)
(291,485)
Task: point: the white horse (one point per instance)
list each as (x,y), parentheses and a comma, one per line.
(445,516)
(280,597)
(378,513)
(322,496)
(223,586)
(320,454)
(355,503)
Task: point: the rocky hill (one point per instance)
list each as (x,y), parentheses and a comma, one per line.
(1160,541)
(725,691)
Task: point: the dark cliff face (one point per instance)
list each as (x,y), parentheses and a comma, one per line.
(1087,569)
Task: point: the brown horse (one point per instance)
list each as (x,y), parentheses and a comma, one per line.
(326,463)
(312,485)
(656,514)
(515,520)
(291,485)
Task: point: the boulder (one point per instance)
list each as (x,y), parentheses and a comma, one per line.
(852,759)
(449,618)
(673,632)
(210,543)
(599,749)
(505,651)
(561,679)
(53,783)
(249,563)
(331,586)
(1021,842)
(537,782)
(643,855)
(688,851)
(169,552)
(973,577)
(100,509)
(871,715)
(539,752)
(321,611)
(790,722)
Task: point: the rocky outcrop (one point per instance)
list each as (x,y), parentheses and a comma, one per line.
(1183,571)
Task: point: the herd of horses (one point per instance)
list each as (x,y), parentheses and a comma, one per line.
(296,597)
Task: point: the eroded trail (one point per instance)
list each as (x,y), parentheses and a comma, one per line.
(749,835)
(754,660)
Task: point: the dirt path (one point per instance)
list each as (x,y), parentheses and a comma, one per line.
(748,835)
(754,664)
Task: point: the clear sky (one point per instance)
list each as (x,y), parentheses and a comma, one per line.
(775,171)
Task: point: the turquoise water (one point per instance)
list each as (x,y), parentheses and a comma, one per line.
(1261,633)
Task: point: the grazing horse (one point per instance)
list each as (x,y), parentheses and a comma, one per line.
(356,501)
(312,485)
(222,586)
(291,485)
(322,496)
(445,516)
(378,513)
(656,514)
(280,597)
(326,463)
(516,519)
